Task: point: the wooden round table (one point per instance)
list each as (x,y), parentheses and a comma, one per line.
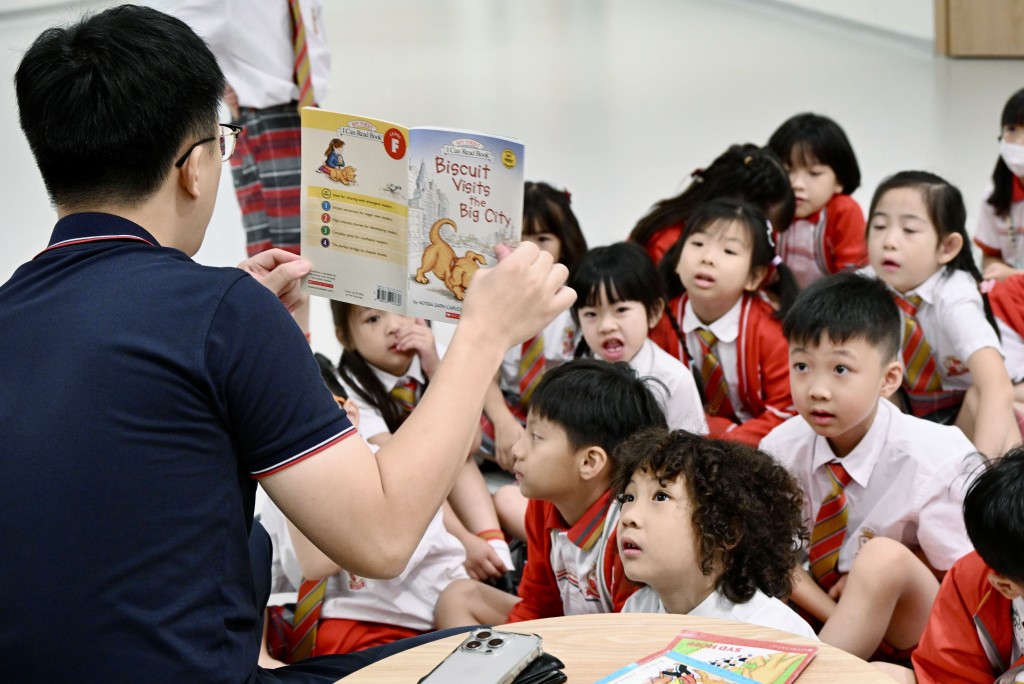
(594,646)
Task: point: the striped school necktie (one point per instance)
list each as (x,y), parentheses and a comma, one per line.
(307,616)
(303,74)
(531,368)
(716,392)
(829,530)
(407,392)
(922,372)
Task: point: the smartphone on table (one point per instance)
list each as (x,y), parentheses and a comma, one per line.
(487,656)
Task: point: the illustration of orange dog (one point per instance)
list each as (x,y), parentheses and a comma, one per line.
(439,258)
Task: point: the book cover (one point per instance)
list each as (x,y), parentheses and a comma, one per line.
(693,657)
(400,219)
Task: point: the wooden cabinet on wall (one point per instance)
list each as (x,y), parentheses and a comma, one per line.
(979,28)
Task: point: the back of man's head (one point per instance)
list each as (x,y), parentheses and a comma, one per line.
(845,307)
(597,403)
(994,515)
(108,103)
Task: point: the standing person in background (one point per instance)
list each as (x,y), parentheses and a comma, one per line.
(276,59)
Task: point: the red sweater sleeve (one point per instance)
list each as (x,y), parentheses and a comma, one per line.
(950,649)
(845,243)
(767,391)
(538,587)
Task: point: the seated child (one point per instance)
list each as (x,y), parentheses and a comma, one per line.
(579,414)
(954,370)
(877,482)
(711,527)
(620,297)
(999,234)
(359,612)
(549,222)
(720,277)
(974,631)
(827,234)
(385,368)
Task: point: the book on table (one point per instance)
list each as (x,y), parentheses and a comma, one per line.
(693,657)
(400,218)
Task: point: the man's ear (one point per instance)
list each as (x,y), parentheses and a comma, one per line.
(950,247)
(1004,586)
(892,378)
(188,174)
(592,462)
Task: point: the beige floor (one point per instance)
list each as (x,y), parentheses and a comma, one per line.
(617,100)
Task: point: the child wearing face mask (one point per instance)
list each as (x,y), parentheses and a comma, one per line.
(1000,233)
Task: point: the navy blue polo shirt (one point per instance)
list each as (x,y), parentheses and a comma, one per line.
(142,393)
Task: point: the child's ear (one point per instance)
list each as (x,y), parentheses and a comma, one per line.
(757,274)
(950,247)
(656,311)
(892,378)
(340,336)
(1004,586)
(592,462)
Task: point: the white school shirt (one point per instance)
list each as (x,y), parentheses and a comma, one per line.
(909,477)
(405,601)
(371,422)
(727,330)
(560,339)
(1013,351)
(252,41)
(995,232)
(761,609)
(673,386)
(952,317)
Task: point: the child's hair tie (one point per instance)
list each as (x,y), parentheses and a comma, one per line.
(771,236)
(697,175)
(568,196)
(776,261)
(747,160)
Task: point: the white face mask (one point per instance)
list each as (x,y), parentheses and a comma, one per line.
(1013,155)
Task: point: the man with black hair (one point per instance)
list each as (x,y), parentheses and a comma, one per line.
(145,394)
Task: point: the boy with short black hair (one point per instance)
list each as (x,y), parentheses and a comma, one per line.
(974,632)
(879,484)
(579,414)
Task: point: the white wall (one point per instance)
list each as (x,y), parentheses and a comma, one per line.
(912,18)
(21,5)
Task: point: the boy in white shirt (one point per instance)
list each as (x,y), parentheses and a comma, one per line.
(883,489)
(710,526)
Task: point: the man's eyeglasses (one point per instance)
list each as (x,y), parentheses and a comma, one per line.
(228,136)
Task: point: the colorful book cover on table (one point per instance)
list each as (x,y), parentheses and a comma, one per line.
(694,657)
(400,219)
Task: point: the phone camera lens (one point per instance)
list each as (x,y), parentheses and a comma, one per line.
(473,645)
(495,643)
(483,634)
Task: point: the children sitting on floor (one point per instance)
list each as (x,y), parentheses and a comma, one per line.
(877,482)
(974,631)
(578,415)
(711,527)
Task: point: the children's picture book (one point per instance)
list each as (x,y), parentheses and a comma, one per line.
(693,657)
(400,218)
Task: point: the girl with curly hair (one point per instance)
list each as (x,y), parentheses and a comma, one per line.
(713,528)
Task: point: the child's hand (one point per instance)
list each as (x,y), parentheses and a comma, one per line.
(482,561)
(507,433)
(418,337)
(352,410)
(837,589)
(998,270)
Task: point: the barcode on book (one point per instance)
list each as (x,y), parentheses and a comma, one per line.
(386,294)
